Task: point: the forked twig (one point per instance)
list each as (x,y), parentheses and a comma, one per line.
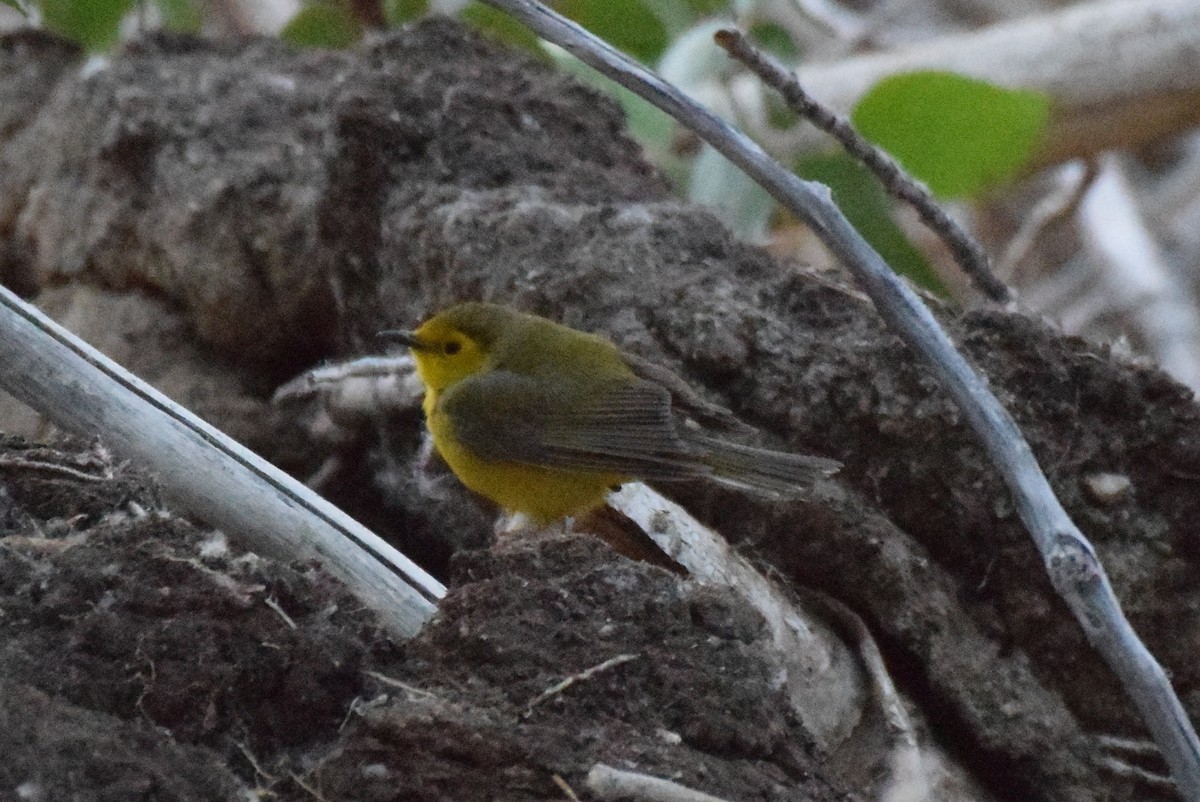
(967,251)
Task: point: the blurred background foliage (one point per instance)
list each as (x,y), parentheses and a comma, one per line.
(961,137)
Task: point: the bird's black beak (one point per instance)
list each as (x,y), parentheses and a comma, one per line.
(408,338)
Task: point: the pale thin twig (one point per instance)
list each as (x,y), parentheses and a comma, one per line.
(1137,748)
(1071,182)
(254,764)
(201,469)
(821,678)
(908,778)
(609,783)
(565,788)
(582,676)
(967,251)
(411,690)
(50,467)
(1133,746)
(274,605)
(1129,771)
(371,382)
(1070,560)
(313,792)
(1136,275)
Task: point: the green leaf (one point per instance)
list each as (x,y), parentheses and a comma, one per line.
(629,25)
(398,12)
(958,135)
(94,24)
(709,8)
(866,205)
(678,16)
(501,26)
(181,16)
(322,25)
(775,39)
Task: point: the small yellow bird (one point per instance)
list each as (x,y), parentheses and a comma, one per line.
(544,420)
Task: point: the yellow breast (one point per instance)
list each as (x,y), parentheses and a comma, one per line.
(544,494)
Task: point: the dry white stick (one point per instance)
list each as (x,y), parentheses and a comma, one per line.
(279,611)
(353,396)
(1117,72)
(1132,746)
(1071,180)
(822,680)
(582,676)
(565,788)
(253,761)
(909,780)
(1136,277)
(609,783)
(365,385)
(202,470)
(412,690)
(1122,769)
(50,467)
(1070,560)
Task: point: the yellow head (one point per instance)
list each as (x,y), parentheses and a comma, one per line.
(457,343)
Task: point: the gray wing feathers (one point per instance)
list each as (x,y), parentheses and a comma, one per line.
(506,416)
(775,472)
(630,430)
(683,397)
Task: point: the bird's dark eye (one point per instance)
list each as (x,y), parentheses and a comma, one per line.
(453,347)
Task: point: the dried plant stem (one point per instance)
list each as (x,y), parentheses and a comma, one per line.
(582,676)
(1137,277)
(1071,182)
(609,783)
(1119,74)
(967,251)
(202,470)
(1069,558)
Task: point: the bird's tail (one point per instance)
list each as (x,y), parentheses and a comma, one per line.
(772,472)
